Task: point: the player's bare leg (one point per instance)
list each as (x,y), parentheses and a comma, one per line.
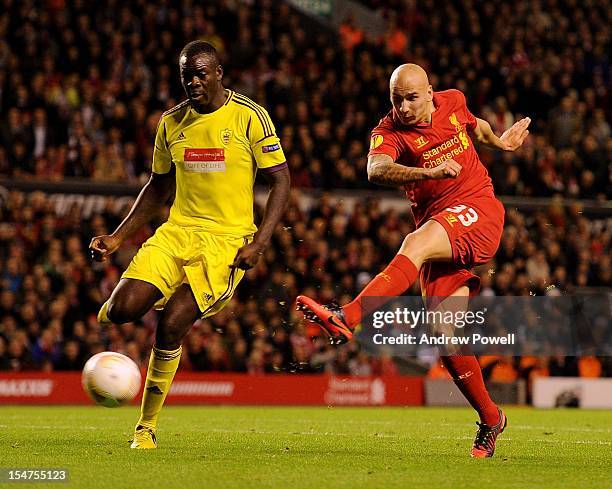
(177,318)
(130,300)
(467,375)
(428,243)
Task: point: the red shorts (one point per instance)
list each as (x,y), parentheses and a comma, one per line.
(474,228)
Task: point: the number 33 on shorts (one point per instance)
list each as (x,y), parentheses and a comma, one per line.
(466,215)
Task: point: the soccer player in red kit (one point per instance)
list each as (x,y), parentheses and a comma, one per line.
(424,144)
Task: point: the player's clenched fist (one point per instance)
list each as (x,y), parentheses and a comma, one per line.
(103,246)
(449,169)
(248,256)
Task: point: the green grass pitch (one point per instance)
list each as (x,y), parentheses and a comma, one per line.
(298,447)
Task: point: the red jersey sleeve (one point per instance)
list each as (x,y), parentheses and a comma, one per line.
(385,141)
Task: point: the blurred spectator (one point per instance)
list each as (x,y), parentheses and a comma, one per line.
(5,364)
(589,367)
(71,358)
(91,107)
(350,35)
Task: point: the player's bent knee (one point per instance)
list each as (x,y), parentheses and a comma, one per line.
(429,242)
(415,248)
(120,311)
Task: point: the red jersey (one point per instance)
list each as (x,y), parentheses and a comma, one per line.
(429,145)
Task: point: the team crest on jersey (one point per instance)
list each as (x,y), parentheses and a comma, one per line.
(226,136)
(376,141)
(455,122)
(459,128)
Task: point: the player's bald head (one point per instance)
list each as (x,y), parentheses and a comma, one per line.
(408,76)
(411,94)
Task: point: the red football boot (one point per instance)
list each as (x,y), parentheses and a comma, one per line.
(330,318)
(484,444)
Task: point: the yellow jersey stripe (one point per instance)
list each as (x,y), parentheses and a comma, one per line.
(265,122)
(248,129)
(176,107)
(267,132)
(266,119)
(260,114)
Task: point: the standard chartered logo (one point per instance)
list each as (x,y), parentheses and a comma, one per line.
(457,145)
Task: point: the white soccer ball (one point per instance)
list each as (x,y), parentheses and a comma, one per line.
(111,379)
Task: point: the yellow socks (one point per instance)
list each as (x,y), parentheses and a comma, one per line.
(162,367)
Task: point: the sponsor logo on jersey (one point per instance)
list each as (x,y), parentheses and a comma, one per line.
(226,136)
(181,137)
(420,141)
(204,160)
(270,148)
(450,148)
(376,141)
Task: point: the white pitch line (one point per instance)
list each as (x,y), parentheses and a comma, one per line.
(535,440)
(517,426)
(51,427)
(408,422)
(559,428)
(214,430)
(312,433)
(457,424)
(377,435)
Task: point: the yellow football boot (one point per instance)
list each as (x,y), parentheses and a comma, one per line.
(144,438)
(102,317)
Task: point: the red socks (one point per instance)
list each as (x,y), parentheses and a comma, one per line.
(394,280)
(467,375)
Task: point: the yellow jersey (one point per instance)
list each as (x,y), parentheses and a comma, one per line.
(216,157)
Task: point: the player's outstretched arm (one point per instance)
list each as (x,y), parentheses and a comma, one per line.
(152,197)
(280,183)
(510,140)
(382,170)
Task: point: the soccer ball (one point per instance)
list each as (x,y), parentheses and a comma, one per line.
(111,379)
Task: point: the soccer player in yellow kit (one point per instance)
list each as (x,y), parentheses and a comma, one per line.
(209,148)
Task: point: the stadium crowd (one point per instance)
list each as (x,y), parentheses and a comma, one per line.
(82,84)
(51,291)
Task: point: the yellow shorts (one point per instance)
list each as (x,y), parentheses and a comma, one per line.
(175,255)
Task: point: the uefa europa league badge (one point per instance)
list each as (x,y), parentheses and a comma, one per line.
(226,136)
